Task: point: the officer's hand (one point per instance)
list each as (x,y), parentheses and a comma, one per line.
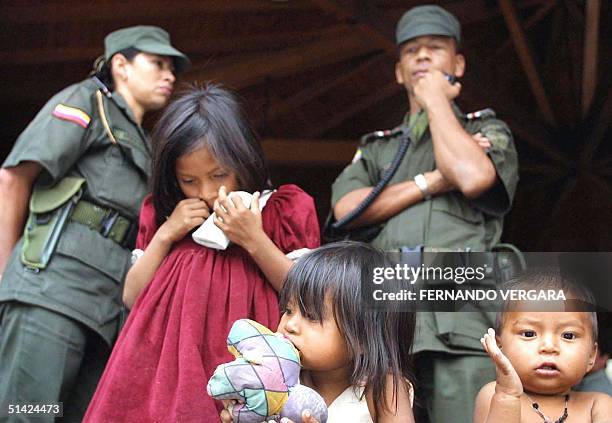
(508,381)
(243,226)
(187,214)
(434,88)
(482,141)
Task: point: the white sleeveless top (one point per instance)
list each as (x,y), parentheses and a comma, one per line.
(347,407)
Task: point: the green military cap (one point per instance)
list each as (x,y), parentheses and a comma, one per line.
(149,39)
(427,20)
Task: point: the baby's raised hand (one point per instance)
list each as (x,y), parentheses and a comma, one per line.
(508,381)
(239,223)
(187,214)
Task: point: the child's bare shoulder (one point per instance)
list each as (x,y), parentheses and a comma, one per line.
(597,404)
(602,407)
(483,402)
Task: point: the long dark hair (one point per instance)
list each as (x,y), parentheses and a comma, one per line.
(211,117)
(379,340)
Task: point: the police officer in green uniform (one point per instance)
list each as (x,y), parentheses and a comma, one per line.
(451,192)
(80,171)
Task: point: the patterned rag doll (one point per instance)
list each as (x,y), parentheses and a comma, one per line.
(264,377)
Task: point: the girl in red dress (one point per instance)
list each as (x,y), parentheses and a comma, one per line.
(185,297)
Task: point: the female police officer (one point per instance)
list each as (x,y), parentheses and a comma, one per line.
(81,168)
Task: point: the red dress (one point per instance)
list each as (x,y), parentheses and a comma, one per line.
(175,335)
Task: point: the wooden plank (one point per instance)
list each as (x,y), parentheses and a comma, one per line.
(367,19)
(309,151)
(560,206)
(204,46)
(591,39)
(54,12)
(239,74)
(469,12)
(522,49)
(598,130)
(336,118)
(317,89)
(533,20)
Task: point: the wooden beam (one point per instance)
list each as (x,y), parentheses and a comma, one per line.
(468,12)
(137,10)
(525,128)
(309,151)
(599,128)
(318,88)
(591,39)
(204,45)
(555,213)
(537,16)
(240,74)
(521,133)
(522,49)
(339,116)
(367,19)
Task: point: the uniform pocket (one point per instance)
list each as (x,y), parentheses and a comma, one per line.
(457,224)
(463,329)
(457,208)
(91,269)
(92,249)
(123,185)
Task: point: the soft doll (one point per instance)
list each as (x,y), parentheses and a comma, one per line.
(264,377)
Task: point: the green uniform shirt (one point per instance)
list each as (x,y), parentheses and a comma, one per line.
(67,138)
(444,221)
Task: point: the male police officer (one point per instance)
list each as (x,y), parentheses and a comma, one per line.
(82,166)
(451,191)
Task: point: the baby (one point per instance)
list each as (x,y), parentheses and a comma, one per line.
(539,355)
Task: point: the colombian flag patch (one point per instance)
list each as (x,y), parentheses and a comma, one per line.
(71,114)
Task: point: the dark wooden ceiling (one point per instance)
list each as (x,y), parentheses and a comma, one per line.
(316,74)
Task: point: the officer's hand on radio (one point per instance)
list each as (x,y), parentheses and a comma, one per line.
(434,87)
(187,214)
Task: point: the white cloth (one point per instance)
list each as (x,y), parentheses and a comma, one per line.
(297,254)
(209,235)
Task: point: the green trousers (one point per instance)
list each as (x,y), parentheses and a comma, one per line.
(46,357)
(447,386)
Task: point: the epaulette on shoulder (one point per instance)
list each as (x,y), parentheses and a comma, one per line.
(383,134)
(481,114)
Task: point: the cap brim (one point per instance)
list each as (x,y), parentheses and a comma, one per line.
(424,29)
(181,62)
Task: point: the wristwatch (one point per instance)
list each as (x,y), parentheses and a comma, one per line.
(421,183)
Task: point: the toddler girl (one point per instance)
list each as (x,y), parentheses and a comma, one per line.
(356,357)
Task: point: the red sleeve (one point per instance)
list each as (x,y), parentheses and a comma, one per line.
(290,219)
(146,224)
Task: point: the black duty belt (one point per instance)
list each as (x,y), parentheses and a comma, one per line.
(105,220)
